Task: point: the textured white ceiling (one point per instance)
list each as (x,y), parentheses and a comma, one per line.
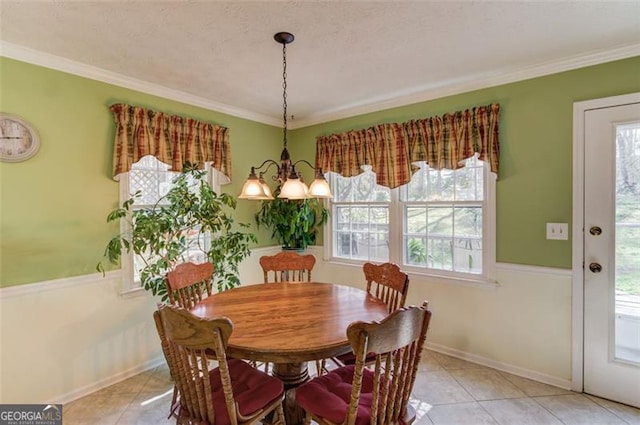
(348,57)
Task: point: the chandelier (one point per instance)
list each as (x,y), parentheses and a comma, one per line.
(291,184)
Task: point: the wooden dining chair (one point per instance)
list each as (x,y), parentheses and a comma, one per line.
(387,283)
(357,395)
(189,284)
(287,266)
(165,350)
(232,393)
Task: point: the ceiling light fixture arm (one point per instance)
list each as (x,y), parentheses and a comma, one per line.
(270,162)
(318,170)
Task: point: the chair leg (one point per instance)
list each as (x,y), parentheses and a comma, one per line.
(321,367)
(174,403)
(279,416)
(307,419)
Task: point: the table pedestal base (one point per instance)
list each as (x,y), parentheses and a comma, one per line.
(292,375)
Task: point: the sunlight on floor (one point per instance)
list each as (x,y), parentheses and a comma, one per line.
(156,398)
(422,408)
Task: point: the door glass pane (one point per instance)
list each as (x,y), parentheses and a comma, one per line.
(627,250)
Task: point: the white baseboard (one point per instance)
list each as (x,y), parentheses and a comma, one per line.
(106,382)
(504,367)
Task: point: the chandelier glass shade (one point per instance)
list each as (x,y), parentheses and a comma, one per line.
(290,180)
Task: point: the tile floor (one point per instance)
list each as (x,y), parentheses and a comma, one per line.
(447,391)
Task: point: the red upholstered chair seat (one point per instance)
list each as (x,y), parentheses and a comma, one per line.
(189,342)
(328,396)
(357,395)
(253,390)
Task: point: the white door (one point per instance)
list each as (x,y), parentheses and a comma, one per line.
(612,253)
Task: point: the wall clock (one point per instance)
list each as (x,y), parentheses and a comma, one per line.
(19,140)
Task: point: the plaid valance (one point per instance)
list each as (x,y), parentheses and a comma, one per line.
(390,149)
(172,139)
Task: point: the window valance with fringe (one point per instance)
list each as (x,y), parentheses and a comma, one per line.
(391,149)
(172,139)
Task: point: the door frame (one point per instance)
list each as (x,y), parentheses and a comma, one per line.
(577,248)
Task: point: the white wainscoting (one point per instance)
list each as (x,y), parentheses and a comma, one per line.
(522,326)
(66,338)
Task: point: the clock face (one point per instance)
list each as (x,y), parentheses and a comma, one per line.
(18,139)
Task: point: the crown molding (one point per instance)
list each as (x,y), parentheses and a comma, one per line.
(475,82)
(47,60)
(422,94)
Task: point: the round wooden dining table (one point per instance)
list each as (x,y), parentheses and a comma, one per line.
(289,324)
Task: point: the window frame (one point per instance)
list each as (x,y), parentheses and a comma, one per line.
(396,236)
(130,286)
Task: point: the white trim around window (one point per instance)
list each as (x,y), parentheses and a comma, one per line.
(486,279)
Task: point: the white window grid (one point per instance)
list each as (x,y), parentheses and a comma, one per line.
(154,180)
(466,243)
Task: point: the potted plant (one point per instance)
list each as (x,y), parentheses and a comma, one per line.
(191,217)
(293,222)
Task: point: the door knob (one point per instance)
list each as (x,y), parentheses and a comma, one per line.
(595,230)
(595,267)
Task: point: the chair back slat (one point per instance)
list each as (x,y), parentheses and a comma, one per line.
(189,284)
(396,342)
(287,266)
(387,283)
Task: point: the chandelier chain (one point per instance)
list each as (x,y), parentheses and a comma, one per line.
(289,179)
(284,92)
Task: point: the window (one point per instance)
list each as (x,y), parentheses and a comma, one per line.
(360,215)
(440,223)
(153,179)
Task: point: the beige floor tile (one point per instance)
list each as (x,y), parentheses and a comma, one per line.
(131,385)
(534,388)
(439,388)
(629,414)
(428,363)
(521,411)
(486,384)
(460,413)
(100,408)
(443,393)
(578,410)
(148,408)
(453,363)
(160,381)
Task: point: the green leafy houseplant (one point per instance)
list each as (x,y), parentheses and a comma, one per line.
(294,223)
(179,224)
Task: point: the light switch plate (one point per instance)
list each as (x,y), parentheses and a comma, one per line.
(558,231)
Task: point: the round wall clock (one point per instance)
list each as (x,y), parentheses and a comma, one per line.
(19,141)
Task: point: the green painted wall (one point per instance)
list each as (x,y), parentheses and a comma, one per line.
(53,206)
(536,129)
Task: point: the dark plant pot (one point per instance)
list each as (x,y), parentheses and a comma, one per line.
(285,248)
